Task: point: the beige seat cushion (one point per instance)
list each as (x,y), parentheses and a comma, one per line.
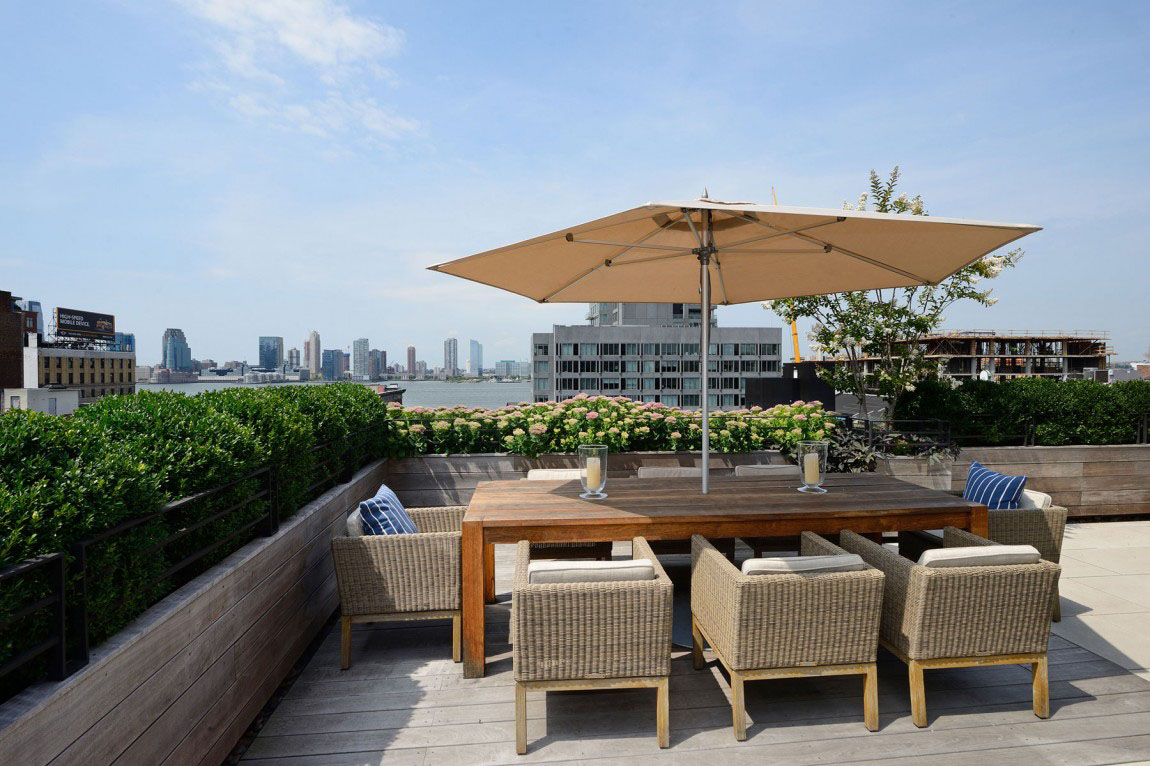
(1032,498)
(668,472)
(766,470)
(553,474)
(980,556)
(354,524)
(551,572)
(846,562)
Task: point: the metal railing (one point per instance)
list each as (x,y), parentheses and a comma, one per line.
(67,580)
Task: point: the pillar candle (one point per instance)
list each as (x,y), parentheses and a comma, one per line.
(594,477)
(811,468)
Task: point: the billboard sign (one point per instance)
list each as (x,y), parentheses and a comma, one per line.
(84,323)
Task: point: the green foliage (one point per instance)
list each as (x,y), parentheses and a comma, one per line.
(1056,412)
(887,325)
(68,479)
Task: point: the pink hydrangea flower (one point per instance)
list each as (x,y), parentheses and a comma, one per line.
(592,415)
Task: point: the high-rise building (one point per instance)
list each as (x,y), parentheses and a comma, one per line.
(293,358)
(124,341)
(177,352)
(12,329)
(649,352)
(475,359)
(450,357)
(411,361)
(314,353)
(376,363)
(360,360)
(271,352)
(344,364)
(509,368)
(330,362)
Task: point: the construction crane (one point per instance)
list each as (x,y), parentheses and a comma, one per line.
(794,324)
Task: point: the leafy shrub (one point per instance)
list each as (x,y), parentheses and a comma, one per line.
(1054,412)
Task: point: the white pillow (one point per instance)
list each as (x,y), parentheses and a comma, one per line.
(551,572)
(354,524)
(980,556)
(1032,498)
(844,562)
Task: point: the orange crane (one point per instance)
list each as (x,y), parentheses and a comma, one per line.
(794,324)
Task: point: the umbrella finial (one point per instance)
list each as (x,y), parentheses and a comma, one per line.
(705,194)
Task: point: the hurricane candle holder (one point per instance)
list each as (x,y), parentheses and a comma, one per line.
(593,470)
(812,456)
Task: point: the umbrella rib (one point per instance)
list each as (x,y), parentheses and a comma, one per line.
(625,246)
(770,250)
(843,251)
(776,233)
(648,259)
(607,262)
(722,285)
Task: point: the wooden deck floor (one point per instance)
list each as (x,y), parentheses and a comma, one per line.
(404,702)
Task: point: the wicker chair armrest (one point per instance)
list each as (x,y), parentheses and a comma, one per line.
(953,537)
(382,574)
(577,630)
(1041,527)
(899,614)
(714,585)
(448,518)
(811,544)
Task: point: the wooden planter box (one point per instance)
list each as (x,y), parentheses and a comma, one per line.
(451,479)
(918,470)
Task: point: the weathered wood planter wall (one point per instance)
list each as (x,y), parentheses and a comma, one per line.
(1090,481)
(450,479)
(182,683)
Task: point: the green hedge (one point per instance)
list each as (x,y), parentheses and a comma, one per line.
(67,479)
(1054,412)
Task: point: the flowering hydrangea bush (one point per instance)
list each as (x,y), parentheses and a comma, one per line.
(532,429)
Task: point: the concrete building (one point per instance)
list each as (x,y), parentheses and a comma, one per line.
(475,359)
(1004,354)
(649,361)
(360,359)
(313,354)
(293,358)
(177,354)
(450,357)
(271,352)
(411,361)
(50,401)
(94,372)
(376,363)
(509,368)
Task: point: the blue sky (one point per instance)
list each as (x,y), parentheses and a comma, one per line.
(239,168)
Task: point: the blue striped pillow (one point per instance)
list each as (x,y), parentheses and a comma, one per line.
(995,490)
(384,515)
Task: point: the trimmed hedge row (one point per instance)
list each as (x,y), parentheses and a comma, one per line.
(1051,412)
(66,479)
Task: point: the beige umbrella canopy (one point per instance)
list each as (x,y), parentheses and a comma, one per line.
(733,252)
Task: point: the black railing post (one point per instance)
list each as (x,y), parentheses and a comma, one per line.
(78,612)
(348,471)
(272,484)
(58,659)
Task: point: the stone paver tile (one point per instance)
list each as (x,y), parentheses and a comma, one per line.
(1132,560)
(1109,535)
(1080,597)
(1133,588)
(1121,638)
(1073,567)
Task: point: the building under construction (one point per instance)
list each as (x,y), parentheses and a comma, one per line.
(1000,355)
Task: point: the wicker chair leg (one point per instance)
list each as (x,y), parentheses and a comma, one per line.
(520,719)
(1057,607)
(663,713)
(697,660)
(1041,688)
(870,697)
(738,706)
(456,637)
(344,643)
(917,694)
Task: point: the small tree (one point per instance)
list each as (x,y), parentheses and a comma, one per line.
(886,325)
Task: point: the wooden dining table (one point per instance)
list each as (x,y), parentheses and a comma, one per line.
(674,509)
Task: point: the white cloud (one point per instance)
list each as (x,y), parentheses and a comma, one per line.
(311,66)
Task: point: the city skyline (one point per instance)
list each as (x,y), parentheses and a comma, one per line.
(186,175)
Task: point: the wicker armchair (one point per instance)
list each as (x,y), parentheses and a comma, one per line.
(1042,526)
(384,578)
(786,625)
(591,635)
(955,617)
(598,551)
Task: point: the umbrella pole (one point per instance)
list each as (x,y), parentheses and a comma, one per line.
(704,254)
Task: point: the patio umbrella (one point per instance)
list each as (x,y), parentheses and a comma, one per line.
(713,252)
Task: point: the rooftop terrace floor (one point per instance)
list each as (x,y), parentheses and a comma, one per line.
(403,701)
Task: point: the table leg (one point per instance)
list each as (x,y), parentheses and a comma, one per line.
(473,586)
(489,573)
(979,522)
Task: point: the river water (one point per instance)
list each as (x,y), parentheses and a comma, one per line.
(421,393)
